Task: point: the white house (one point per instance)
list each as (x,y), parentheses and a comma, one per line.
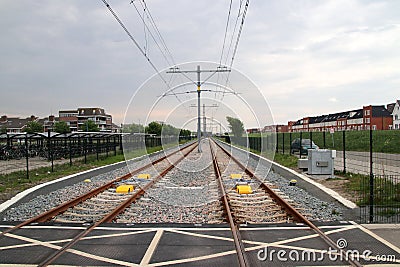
(395,110)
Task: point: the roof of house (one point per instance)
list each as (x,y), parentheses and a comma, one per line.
(317,119)
(68,111)
(355,114)
(380,111)
(390,107)
(352,114)
(90,111)
(15,123)
(337,116)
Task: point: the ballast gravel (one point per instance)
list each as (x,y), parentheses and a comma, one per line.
(187,194)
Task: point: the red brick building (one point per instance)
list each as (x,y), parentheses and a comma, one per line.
(76,118)
(369,117)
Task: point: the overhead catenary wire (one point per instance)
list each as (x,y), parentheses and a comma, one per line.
(138,46)
(163,48)
(151,34)
(226,32)
(238,38)
(154,25)
(133,39)
(241,16)
(233,32)
(240,32)
(223,44)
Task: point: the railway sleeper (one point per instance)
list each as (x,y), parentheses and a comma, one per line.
(95,205)
(216,214)
(109,200)
(267,217)
(250,203)
(246,198)
(269,209)
(264,222)
(73,214)
(113,197)
(232,192)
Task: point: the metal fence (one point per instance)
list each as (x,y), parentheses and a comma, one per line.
(371,156)
(26,152)
(379,199)
(362,152)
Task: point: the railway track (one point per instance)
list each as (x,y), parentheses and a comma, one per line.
(98,197)
(216,197)
(265,200)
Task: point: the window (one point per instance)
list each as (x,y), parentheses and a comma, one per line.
(373,127)
(396,126)
(367,120)
(396,117)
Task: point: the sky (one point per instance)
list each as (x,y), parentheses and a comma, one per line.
(305,57)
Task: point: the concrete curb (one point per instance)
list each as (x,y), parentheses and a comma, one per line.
(26,192)
(5,205)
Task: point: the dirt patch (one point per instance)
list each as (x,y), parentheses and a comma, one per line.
(339,185)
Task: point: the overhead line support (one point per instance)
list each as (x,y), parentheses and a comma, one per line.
(198,83)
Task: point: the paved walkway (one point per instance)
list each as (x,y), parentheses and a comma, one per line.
(359,162)
(9,166)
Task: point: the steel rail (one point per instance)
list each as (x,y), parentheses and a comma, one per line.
(114,213)
(237,239)
(290,209)
(48,215)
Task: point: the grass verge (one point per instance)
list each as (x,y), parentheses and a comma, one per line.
(286,160)
(15,182)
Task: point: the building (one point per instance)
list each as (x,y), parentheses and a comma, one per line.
(76,118)
(13,125)
(16,124)
(394,109)
(252,130)
(48,123)
(280,128)
(369,117)
(70,117)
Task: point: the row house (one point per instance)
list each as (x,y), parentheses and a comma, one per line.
(253,130)
(275,128)
(18,125)
(73,118)
(15,124)
(369,117)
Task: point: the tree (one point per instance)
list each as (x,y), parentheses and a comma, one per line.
(89,126)
(34,127)
(3,129)
(61,127)
(133,128)
(236,126)
(169,130)
(185,132)
(154,128)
